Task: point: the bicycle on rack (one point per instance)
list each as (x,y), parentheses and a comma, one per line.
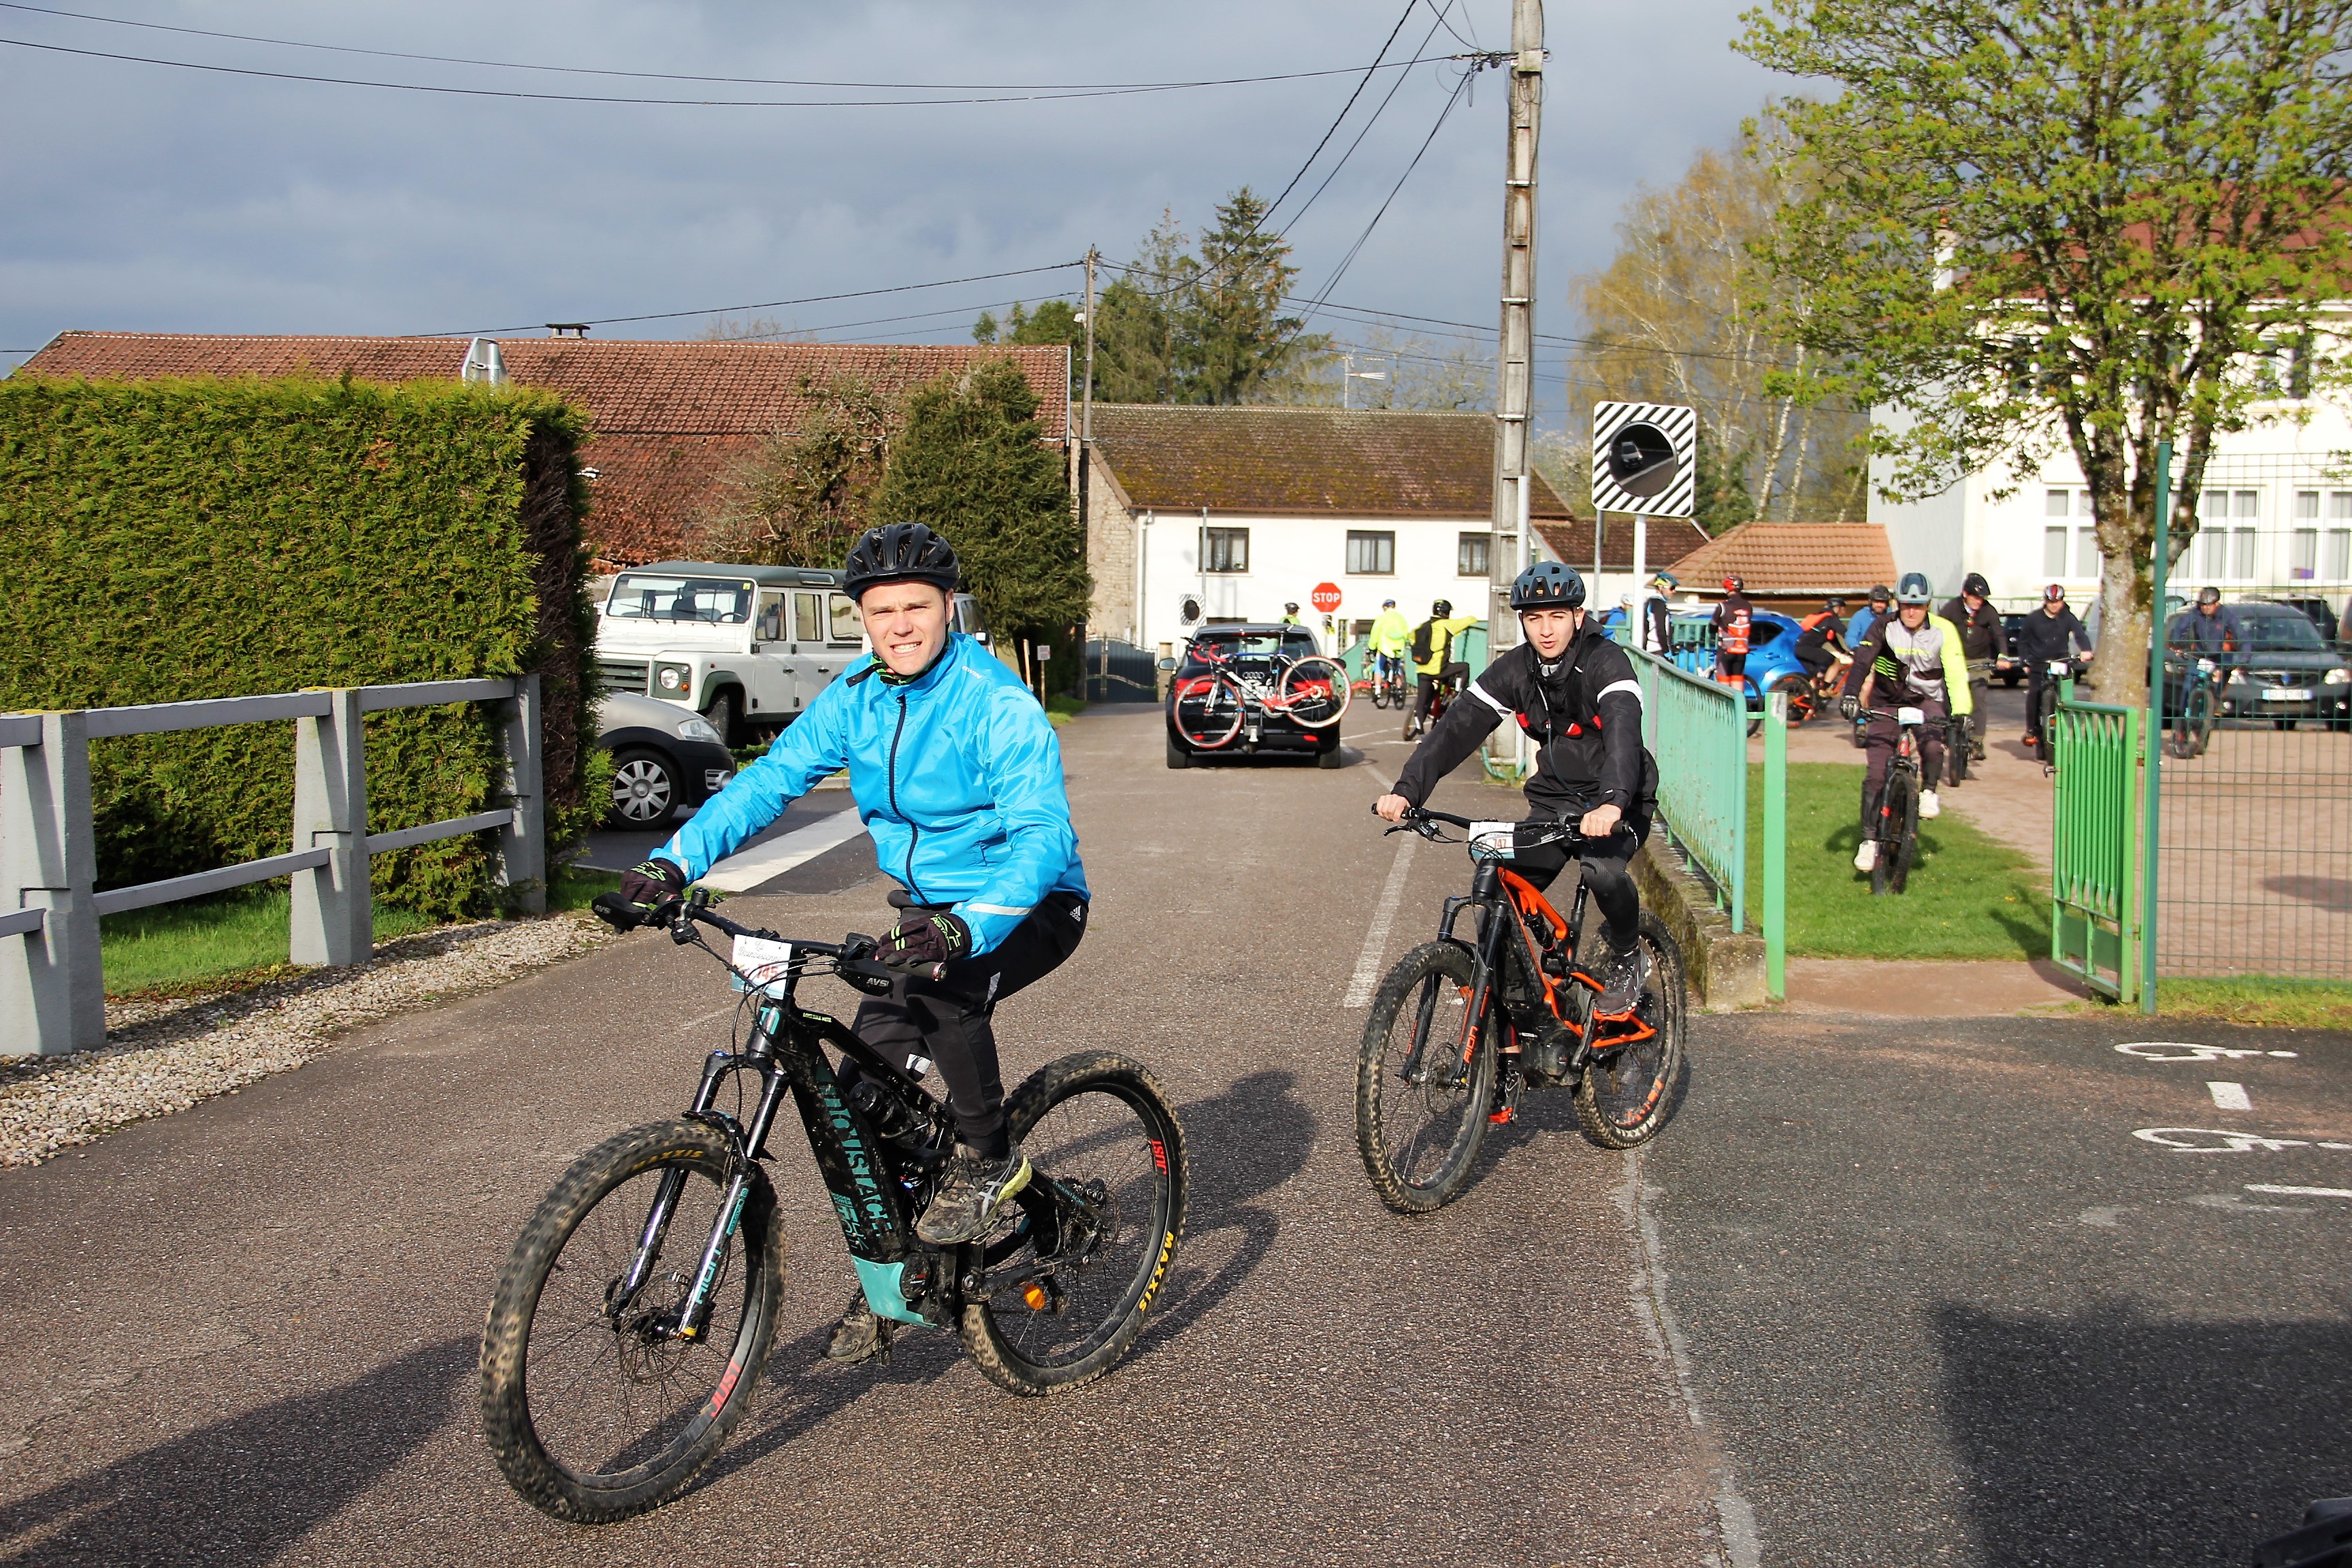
(2192,732)
(1210,709)
(1389,685)
(1438,1066)
(636,1311)
(1895,821)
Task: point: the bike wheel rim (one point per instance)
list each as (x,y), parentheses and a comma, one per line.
(1628,1084)
(1210,715)
(604,1403)
(1422,1125)
(1110,1133)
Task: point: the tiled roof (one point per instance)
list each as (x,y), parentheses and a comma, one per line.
(1570,540)
(1792,558)
(671,419)
(1305,460)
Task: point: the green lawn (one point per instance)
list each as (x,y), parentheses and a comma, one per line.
(2297,1003)
(1062,709)
(239,938)
(1969,897)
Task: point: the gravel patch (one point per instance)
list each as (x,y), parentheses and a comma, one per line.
(162,1056)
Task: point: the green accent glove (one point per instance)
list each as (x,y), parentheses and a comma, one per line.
(925,941)
(654,883)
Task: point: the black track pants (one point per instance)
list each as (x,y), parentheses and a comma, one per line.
(1453,673)
(949,1022)
(1604,872)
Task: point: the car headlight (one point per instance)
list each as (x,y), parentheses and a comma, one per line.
(2339,676)
(674,680)
(699,728)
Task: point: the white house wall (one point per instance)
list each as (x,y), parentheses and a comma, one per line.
(1288,557)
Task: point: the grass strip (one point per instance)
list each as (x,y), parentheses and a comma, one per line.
(1971,896)
(2252,999)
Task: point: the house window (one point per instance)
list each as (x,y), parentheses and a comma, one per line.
(2242,554)
(2086,552)
(2055,503)
(2306,505)
(1371,555)
(1224,550)
(2053,552)
(1473,553)
(2302,554)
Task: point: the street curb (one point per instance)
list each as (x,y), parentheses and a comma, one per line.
(1724,968)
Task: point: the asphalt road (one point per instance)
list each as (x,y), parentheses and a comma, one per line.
(247,1332)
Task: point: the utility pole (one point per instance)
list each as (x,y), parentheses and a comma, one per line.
(1513,542)
(1515,388)
(1085,478)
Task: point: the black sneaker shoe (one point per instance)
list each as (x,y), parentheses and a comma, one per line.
(860,1335)
(971,1190)
(1627,975)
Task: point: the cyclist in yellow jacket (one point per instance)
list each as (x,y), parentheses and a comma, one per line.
(1433,660)
(1913,659)
(1390,636)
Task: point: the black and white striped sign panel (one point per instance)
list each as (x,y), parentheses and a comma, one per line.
(1646,458)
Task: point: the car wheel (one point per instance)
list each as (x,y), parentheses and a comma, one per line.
(1177,756)
(726,716)
(1329,757)
(645,789)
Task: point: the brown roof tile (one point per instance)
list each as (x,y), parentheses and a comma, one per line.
(1305,460)
(1792,558)
(1570,540)
(671,419)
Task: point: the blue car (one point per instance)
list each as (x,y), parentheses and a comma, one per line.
(1771,651)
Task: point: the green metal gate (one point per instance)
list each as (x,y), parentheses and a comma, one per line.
(2094,858)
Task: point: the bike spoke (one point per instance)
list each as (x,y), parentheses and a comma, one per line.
(1094,1144)
(1420,1122)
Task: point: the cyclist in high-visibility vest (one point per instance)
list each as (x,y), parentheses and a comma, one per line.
(1734,619)
(1390,636)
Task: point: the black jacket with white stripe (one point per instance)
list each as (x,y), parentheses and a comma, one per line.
(1585,715)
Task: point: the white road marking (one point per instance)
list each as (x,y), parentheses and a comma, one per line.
(2108,1217)
(2229,1096)
(711,1017)
(2300,1192)
(746,870)
(2220,1141)
(2186,1051)
(2231,1203)
(1367,978)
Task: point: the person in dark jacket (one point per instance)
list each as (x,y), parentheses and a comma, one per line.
(1735,622)
(2048,633)
(1982,641)
(1572,689)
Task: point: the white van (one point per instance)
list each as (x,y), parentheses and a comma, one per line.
(745,647)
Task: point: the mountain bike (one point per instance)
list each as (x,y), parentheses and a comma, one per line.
(1959,742)
(1210,709)
(1446,692)
(2192,732)
(1465,1023)
(1390,687)
(636,1311)
(2041,705)
(1894,823)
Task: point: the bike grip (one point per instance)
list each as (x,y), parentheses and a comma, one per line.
(616,912)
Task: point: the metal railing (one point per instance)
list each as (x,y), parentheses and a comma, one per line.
(52,983)
(2095,856)
(1698,729)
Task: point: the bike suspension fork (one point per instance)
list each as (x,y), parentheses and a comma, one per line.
(694,1313)
(666,1195)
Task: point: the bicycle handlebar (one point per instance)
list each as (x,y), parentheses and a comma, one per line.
(1524,835)
(850,959)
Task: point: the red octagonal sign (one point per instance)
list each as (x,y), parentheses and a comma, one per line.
(1326,597)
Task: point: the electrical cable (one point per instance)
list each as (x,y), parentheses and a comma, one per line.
(730,80)
(1334,173)
(1058,95)
(1347,260)
(763,304)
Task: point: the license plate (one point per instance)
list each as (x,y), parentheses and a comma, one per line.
(2286,694)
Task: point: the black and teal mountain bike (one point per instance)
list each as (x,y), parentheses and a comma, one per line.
(636,1312)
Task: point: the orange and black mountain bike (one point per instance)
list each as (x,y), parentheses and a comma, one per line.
(1465,1022)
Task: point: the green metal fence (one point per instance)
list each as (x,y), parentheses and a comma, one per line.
(2095,861)
(1698,729)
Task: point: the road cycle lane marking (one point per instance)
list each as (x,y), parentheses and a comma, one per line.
(2299,1192)
(2229,1096)
(2223,1140)
(1367,978)
(2188,1051)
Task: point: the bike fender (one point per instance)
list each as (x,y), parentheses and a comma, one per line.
(886,1290)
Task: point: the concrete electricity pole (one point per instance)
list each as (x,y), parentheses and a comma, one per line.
(1514,465)
(1085,476)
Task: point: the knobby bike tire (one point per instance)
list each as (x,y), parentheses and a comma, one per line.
(1627,1093)
(2200,725)
(1127,1138)
(1425,993)
(1893,872)
(644,1470)
(1208,711)
(1314,691)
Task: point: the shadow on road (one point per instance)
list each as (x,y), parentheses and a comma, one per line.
(2111,1437)
(241,1492)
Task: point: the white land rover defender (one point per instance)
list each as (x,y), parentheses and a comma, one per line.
(745,647)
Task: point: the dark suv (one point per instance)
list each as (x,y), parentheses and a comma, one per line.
(1256,652)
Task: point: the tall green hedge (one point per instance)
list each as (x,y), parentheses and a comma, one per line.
(168,540)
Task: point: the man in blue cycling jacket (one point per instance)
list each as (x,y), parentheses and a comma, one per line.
(957,774)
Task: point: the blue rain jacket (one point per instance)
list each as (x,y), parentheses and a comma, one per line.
(958,776)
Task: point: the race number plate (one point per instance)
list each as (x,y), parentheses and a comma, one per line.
(767,962)
(2286,694)
(1910,716)
(1496,840)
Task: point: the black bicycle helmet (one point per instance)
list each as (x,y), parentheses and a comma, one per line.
(1834,602)
(900,553)
(1547,586)
(1913,589)
(1881,593)
(2053,595)
(1974,583)
(2209,596)
(1443,607)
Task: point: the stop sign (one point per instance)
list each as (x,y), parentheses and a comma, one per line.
(1326,597)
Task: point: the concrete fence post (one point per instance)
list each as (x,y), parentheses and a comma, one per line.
(52,987)
(522,844)
(334,915)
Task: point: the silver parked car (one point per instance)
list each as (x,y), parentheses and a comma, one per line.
(663,757)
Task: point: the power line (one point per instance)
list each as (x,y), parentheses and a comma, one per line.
(1053,96)
(1347,260)
(1333,129)
(764,304)
(1375,119)
(670,76)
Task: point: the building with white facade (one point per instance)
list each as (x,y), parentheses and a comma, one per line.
(1196,515)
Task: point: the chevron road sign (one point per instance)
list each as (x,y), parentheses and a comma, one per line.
(1646,458)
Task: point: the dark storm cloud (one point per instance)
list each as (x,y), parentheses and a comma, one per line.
(144,197)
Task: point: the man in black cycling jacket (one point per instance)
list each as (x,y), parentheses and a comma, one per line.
(2048,633)
(1572,690)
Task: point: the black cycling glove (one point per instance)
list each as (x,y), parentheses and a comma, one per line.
(1849,706)
(648,887)
(927,940)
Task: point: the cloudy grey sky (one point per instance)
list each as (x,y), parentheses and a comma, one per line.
(146,197)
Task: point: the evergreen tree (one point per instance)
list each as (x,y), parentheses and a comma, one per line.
(971,464)
(1234,338)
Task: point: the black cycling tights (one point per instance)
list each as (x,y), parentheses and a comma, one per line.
(949,1022)
(1613,886)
